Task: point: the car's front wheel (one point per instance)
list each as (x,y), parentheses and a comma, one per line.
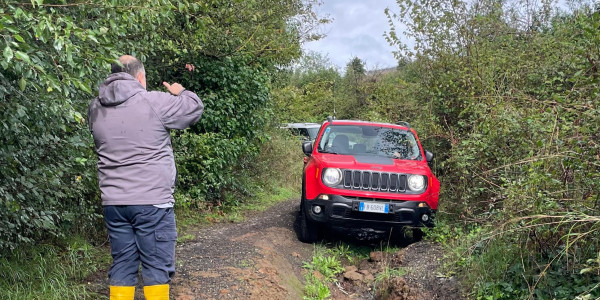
(404,236)
(309,231)
(417,235)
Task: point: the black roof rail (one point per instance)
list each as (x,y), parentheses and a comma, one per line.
(402,123)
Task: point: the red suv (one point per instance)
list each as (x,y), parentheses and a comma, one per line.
(366,175)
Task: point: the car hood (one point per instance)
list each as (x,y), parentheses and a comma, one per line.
(375,163)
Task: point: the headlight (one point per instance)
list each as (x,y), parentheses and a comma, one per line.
(332,176)
(416,183)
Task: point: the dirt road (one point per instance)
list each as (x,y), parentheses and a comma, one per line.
(261,258)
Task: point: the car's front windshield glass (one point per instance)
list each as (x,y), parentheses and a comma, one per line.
(313,132)
(369,140)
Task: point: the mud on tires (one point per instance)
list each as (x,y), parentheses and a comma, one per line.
(309,231)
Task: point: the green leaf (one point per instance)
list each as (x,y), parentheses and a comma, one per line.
(93,38)
(22,56)
(22,83)
(38,2)
(19,38)
(81,160)
(58,44)
(8,53)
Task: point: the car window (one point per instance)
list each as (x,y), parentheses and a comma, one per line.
(313,132)
(305,132)
(369,140)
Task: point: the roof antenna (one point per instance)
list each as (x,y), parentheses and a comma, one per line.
(332,93)
(402,123)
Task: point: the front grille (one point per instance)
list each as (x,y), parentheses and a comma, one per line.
(374,181)
(339,211)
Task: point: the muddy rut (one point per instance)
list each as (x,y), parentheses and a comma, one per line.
(260,258)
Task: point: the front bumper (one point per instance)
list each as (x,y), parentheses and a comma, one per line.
(344,211)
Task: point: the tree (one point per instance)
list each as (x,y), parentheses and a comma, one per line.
(308,93)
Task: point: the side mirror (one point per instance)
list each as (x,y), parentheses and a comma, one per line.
(307,148)
(428,156)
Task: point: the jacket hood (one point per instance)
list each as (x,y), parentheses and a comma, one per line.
(117,88)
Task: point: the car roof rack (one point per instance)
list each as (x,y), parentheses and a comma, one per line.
(402,123)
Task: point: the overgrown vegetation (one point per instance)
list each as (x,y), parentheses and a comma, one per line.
(51,271)
(322,270)
(513,91)
(506,94)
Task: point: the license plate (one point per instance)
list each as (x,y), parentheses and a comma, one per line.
(374,207)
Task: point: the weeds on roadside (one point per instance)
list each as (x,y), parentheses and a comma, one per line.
(326,265)
(49,272)
(384,280)
(323,268)
(350,253)
(526,257)
(315,289)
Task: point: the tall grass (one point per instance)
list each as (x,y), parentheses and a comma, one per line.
(528,257)
(50,272)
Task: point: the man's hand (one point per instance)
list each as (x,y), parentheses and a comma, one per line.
(174,88)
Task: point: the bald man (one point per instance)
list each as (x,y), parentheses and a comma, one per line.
(136,173)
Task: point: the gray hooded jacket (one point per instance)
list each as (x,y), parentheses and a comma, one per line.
(131,131)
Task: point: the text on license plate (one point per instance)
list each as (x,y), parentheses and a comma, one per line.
(374,207)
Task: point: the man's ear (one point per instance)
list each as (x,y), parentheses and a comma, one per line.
(141,77)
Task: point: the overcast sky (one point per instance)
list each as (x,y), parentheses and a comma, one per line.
(357,30)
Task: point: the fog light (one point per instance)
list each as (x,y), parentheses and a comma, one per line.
(425,217)
(423,204)
(317,209)
(324,197)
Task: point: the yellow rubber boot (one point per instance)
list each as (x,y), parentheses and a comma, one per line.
(122,292)
(157,292)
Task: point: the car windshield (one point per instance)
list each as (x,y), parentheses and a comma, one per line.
(309,133)
(369,140)
(312,132)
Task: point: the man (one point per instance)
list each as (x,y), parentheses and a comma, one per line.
(136,173)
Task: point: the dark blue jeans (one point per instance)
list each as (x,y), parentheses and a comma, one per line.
(141,234)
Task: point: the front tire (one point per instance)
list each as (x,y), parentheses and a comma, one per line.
(417,235)
(309,231)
